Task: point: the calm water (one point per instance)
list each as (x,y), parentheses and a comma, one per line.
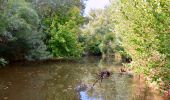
(59,81)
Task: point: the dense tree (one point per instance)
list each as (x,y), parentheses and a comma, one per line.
(27,24)
(62,30)
(19,32)
(100,38)
(143,26)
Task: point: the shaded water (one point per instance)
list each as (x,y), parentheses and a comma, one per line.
(58,81)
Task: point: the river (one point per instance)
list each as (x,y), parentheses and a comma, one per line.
(60,80)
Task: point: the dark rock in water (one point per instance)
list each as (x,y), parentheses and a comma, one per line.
(104,74)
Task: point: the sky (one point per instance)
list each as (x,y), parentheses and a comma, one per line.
(95,4)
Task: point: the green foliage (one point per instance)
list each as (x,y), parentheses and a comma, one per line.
(92,45)
(20,36)
(62,32)
(47,8)
(107,45)
(99,36)
(27,24)
(144,29)
(63,43)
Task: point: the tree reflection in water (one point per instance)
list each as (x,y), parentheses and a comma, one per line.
(59,81)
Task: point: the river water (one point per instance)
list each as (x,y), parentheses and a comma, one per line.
(61,80)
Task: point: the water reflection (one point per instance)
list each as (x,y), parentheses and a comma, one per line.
(117,87)
(59,81)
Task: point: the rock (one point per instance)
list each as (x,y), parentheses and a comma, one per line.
(5,88)
(5,98)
